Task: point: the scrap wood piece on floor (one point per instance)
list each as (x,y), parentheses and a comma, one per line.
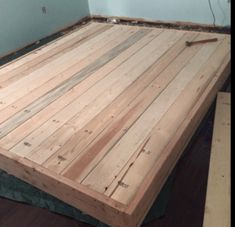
(218,201)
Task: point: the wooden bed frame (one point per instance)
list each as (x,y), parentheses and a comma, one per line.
(105,208)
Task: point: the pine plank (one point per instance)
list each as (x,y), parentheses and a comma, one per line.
(218,200)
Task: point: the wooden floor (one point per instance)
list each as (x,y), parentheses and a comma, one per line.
(100,117)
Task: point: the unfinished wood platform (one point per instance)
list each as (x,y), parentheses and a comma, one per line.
(99,117)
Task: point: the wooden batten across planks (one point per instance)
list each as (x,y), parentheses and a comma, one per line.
(99,117)
(218,200)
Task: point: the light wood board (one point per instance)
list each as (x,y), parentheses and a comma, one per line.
(218,200)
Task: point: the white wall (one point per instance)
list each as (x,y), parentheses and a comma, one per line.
(196,11)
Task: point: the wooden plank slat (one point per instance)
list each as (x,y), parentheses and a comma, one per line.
(218,199)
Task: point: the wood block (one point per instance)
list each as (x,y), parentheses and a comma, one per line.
(218,200)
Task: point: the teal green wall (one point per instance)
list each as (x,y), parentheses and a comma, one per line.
(23,22)
(196,11)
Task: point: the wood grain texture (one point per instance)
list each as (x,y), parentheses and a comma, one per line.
(218,200)
(99,111)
